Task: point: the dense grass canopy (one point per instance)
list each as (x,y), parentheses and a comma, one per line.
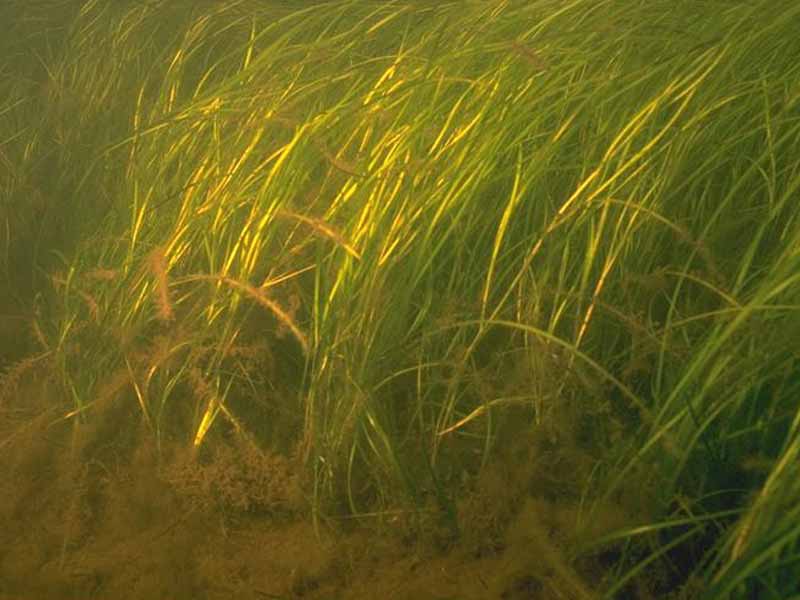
(403,241)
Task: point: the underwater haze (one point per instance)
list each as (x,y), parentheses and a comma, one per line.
(491,299)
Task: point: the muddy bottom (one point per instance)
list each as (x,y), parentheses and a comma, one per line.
(92,508)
